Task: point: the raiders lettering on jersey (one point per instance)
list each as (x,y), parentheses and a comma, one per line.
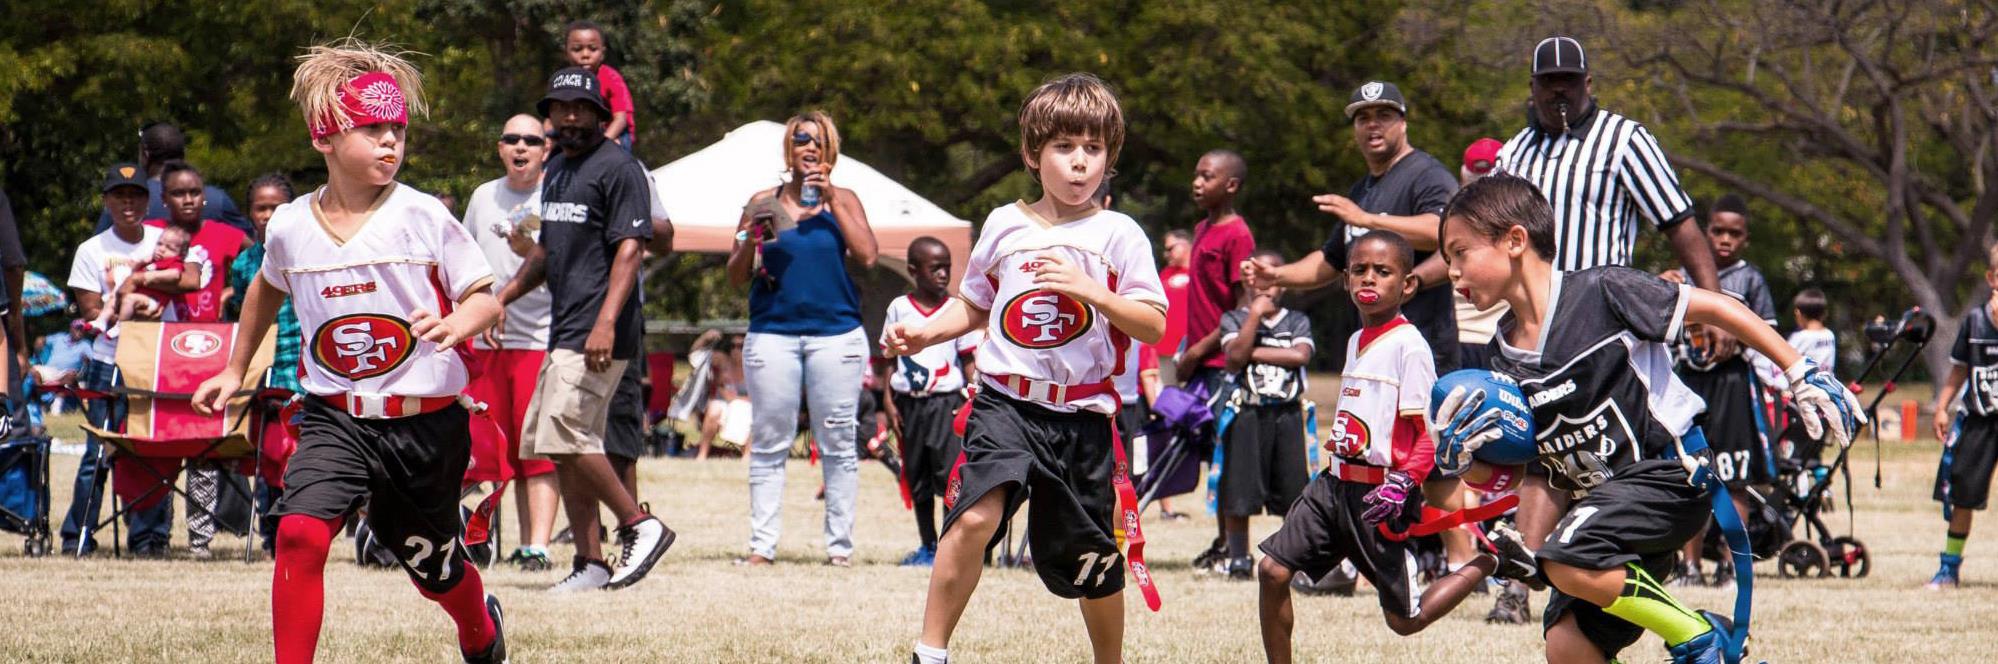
(938,369)
(1976,347)
(1044,335)
(1601,383)
(354,296)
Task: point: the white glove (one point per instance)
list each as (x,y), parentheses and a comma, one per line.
(1821,399)
(1457,435)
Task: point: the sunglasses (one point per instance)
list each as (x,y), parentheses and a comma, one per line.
(532,140)
(802,138)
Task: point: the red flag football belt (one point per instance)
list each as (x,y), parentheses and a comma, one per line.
(386,406)
(1436,521)
(1127,515)
(1353,472)
(1049,392)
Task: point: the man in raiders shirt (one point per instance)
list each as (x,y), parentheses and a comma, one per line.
(1613,425)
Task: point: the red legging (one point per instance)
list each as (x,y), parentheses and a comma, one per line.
(298,592)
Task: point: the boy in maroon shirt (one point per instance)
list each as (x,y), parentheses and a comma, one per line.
(1221,242)
(583,45)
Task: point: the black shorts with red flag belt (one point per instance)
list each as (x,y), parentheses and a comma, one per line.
(1064,462)
(1325,526)
(929,446)
(406,471)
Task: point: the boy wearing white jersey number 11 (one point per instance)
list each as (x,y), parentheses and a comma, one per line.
(386,285)
(1060,287)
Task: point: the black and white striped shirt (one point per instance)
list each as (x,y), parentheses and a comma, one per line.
(1599,177)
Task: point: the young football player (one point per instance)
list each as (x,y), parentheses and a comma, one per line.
(928,389)
(1060,287)
(1613,425)
(1263,469)
(1963,479)
(386,284)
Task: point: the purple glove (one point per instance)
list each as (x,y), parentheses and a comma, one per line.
(1386,500)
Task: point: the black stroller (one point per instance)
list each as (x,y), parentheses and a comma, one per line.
(1801,494)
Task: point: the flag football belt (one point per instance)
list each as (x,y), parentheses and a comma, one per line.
(386,406)
(1692,446)
(1943,465)
(1355,472)
(1128,529)
(1049,392)
(1436,521)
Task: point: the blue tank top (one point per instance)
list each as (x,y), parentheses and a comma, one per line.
(813,296)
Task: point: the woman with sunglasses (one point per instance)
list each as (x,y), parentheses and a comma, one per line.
(791,247)
(501,216)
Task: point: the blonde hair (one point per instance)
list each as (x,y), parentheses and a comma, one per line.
(324,70)
(1073,104)
(828,150)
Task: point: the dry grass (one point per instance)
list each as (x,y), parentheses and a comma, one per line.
(698,608)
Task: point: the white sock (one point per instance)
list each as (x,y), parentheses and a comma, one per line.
(929,655)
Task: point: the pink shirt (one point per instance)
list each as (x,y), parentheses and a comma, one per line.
(618,96)
(212,250)
(1218,252)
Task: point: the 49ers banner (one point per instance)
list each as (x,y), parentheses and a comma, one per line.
(172,359)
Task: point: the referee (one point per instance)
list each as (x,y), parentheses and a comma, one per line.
(1601,172)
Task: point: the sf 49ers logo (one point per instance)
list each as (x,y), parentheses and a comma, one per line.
(1350,436)
(361,346)
(1044,319)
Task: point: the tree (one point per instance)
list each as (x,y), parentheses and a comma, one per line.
(1875,122)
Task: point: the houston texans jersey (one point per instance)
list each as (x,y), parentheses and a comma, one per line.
(1600,383)
(937,369)
(354,297)
(1044,335)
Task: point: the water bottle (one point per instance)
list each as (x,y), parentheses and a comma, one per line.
(808,194)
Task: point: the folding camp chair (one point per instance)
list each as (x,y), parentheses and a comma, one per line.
(161,365)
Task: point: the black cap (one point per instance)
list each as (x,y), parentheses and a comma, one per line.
(574,84)
(1559,55)
(124,175)
(1376,93)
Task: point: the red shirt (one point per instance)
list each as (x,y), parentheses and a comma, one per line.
(1218,252)
(212,250)
(1175,280)
(618,96)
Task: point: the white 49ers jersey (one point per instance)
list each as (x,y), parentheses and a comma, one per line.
(354,298)
(1387,375)
(1044,335)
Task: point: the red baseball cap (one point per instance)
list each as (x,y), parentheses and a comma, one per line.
(1482,156)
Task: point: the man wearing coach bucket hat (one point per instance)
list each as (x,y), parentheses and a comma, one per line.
(596,216)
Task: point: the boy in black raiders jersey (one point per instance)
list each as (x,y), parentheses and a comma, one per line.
(1613,425)
(1722,375)
(1963,479)
(1263,468)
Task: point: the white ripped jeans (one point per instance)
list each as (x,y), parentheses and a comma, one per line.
(827,372)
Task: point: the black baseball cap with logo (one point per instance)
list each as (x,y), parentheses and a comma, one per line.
(124,175)
(574,84)
(1559,55)
(1376,93)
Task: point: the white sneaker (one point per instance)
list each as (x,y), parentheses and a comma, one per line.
(587,575)
(644,542)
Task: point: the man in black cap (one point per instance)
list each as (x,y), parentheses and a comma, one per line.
(1404,192)
(1601,172)
(128,239)
(596,216)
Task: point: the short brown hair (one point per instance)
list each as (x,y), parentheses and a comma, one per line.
(1078,104)
(828,151)
(1493,204)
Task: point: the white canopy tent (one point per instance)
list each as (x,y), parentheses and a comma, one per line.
(704,193)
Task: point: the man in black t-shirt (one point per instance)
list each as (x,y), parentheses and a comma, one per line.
(596,216)
(1404,191)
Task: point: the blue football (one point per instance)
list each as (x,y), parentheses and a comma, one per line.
(1515,444)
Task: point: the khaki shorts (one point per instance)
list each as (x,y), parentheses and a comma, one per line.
(571,407)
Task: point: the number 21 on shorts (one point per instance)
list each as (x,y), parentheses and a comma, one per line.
(1088,560)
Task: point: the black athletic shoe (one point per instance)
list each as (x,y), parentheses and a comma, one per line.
(1215,553)
(1241,569)
(495,653)
(1512,607)
(1688,574)
(1723,575)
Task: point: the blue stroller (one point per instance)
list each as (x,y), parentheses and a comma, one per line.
(24,484)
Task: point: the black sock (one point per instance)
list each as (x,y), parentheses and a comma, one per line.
(926,521)
(1238,543)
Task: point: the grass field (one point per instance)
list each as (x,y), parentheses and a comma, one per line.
(697,607)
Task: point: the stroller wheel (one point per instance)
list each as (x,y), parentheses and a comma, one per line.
(35,547)
(1802,559)
(1849,557)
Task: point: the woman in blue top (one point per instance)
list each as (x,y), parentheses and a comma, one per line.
(804,331)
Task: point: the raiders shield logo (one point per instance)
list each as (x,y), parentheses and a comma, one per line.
(361,346)
(1044,319)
